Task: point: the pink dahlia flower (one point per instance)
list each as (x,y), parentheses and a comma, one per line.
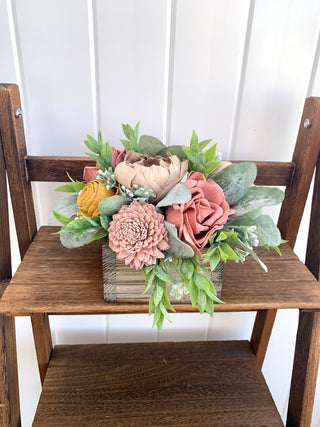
(206,212)
(137,234)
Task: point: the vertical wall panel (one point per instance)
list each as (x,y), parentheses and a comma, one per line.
(209,39)
(56,71)
(282,47)
(7,71)
(131,58)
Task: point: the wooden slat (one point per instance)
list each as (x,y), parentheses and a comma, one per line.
(55,280)
(305,157)
(261,333)
(305,369)
(201,383)
(14,148)
(53,168)
(43,342)
(313,247)
(5,252)
(9,391)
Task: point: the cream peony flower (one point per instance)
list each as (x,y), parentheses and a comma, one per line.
(159,174)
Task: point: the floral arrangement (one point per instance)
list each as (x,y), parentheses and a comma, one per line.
(173,211)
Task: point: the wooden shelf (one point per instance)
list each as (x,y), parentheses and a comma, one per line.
(55,280)
(198,383)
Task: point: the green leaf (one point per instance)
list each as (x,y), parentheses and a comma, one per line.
(194,156)
(179,194)
(166,301)
(235,180)
(209,307)
(176,150)
(268,232)
(156,294)
(71,187)
(157,317)
(149,282)
(258,197)
(111,205)
(98,236)
(106,153)
(70,240)
(105,221)
(194,292)
(126,144)
(214,260)
(202,282)
(194,142)
(136,131)
(177,247)
(229,251)
(101,163)
(210,153)
(161,274)
(164,312)
(94,145)
(150,145)
(187,268)
(67,207)
(202,301)
(61,218)
(203,144)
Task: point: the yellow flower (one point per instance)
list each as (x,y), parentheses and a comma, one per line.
(159,174)
(91,195)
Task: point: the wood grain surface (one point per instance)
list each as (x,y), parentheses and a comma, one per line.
(198,383)
(53,279)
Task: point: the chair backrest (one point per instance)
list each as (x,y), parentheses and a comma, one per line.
(22,169)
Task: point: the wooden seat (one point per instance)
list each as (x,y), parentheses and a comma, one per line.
(192,383)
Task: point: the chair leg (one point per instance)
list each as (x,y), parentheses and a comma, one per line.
(305,369)
(9,388)
(261,333)
(43,342)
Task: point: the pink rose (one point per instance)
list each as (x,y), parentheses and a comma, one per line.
(117,156)
(206,212)
(90,173)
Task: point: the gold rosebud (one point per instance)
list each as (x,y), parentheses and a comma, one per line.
(91,195)
(159,174)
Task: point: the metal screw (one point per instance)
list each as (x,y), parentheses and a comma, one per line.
(307,123)
(18,113)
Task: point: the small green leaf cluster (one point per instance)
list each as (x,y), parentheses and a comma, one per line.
(108,176)
(188,274)
(131,143)
(85,225)
(200,160)
(221,248)
(101,153)
(158,276)
(71,187)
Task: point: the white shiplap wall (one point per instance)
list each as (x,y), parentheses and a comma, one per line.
(237,71)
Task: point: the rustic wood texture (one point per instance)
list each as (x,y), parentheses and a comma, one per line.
(305,157)
(313,247)
(14,148)
(5,253)
(261,333)
(43,341)
(121,283)
(53,168)
(56,280)
(9,391)
(305,369)
(198,383)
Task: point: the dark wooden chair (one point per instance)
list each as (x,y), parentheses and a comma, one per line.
(193,383)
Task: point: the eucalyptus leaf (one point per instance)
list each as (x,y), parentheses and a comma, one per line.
(67,207)
(235,180)
(180,193)
(177,247)
(111,205)
(268,233)
(70,240)
(176,150)
(150,145)
(258,197)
